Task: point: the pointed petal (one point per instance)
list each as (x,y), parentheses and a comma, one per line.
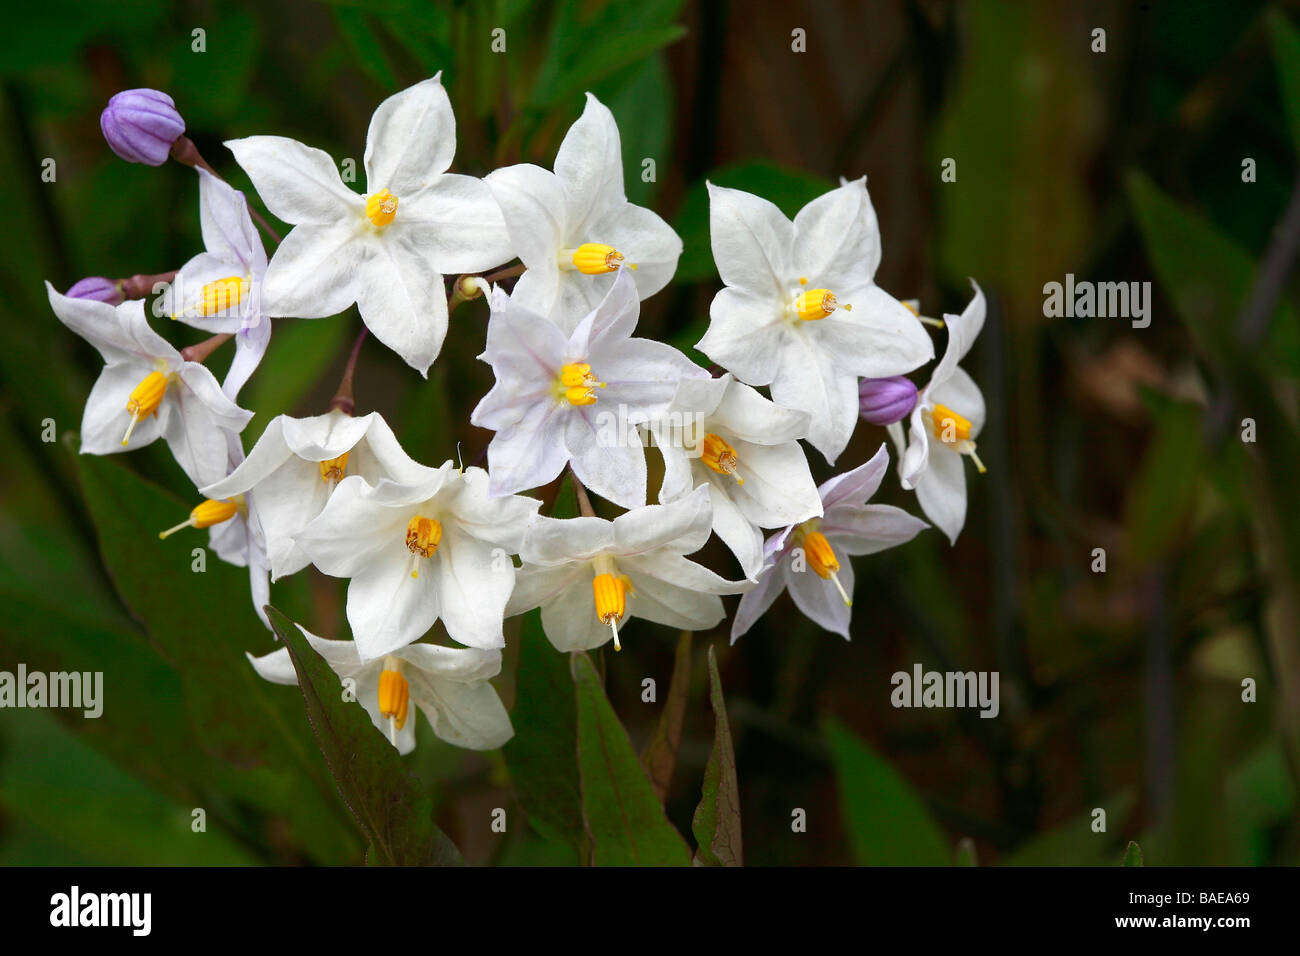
(754,603)
(411,139)
(315,271)
(752,242)
(837,238)
(820,600)
(941,491)
(297,183)
(589,164)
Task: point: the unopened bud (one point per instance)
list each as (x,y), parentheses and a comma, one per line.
(883,401)
(141,126)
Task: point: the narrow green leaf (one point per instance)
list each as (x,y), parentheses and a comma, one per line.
(660,755)
(391,807)
(543,754)
(887,823)
(1286,54)
(1133,854)
(717,818)
(355,27)
(1163,493)
(624,817)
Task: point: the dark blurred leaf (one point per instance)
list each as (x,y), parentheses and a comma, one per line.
(300,352)
(624,817)
(887,823)
(1074,843)
(355,26)
(965,855)
(660,755)
(717,818)
(391,807)
(1133,854)
(1286,55)
(789,189)
(643,107)
(1163,493)
(543,754)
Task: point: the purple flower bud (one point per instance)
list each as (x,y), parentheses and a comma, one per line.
(883,401)
(99,289)
(141,125)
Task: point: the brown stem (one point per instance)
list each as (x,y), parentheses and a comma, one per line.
(507,273)
(343,399)
(184,151)
(140,286)
(200,351)
(584,503)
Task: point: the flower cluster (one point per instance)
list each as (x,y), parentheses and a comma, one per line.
(800,315)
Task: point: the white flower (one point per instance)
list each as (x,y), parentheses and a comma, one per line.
(801,311)
(450,684)
(298,462)
(948,416)
(235,531)
(417,551)
(574,228)
(575,399)
(147,390)
(805,557)
(723,434)
(590,575)
(220,289)
(385,251)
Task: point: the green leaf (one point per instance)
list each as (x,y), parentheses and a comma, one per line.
(391,807)
(1074,843)
(789,189)
(660,755)
(717,818)
(300,352)
(365,46)
(887,823)
(1163,493)
(238,717)
(624,817)
(1286,54)
(543,754)
(1133,854)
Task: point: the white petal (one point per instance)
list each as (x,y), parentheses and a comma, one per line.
(411,140)
(105,419)
(536,585)
(738,533)
(352,531)
(641,376)
(400,297)
(941,491)
(820,600)
(569,619)
(589,164)
(455,224)
(962,331)
(810,381)
(837,238)
(858,485)
(645,241)
(745,336)
(500,521)
(315,271)
(917,457)
(387,608)
(867,529)
(297,183)
(754,603)
(607,464)
(250,347)
(228,230)
(473,588)
(960,394)
(682,526)
(532,203)
(561,541)
(752,418)
(529,453)
(671,604)
(778,489)
(752,243)
(879,338)
(466,715)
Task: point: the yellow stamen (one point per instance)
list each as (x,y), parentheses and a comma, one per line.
(610,592)
(334,469)
(577,385)
(222,294)
(821,558)
(949,427)
(381,207)
(205,515)
(915,309)
(596,259)
(423,535)
(720,456)
(394,696)
(816,304)
(144,401)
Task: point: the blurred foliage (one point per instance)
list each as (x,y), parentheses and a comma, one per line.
(1121,691)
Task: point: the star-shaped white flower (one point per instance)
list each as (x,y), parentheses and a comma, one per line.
(948,416)
(575,399)
(296,465)
(721,433)
(385,251)
(590,575)
(221,289)
(805,558)
(148,390)
(801,311)
(574,228)
(418,551)
(450,684)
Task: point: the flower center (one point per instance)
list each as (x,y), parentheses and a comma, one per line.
(381,207)
(208,513)
(423,535)
(814,304)
(594,259)
(610,590)
(821,558)
(144,401)
(955,432)
(333,470)
(720,456)
(576,385)
(222,294)
(394,696)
